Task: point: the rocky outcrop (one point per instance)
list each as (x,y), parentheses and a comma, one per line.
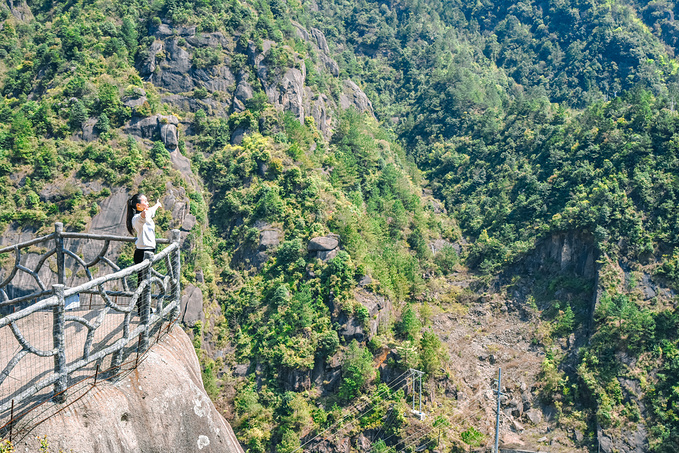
(624,441)
(156,127)
(570,251)
(380,309)
(243,92)
(438,245)
(89,130)
(170,65)
(324,247)
(188,83)
(161,406)
(175,65)
(19,9)
(353,96)
(136,100)
(248,256)
(191,309)
(148,63)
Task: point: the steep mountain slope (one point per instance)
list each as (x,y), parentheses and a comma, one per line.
(324,265)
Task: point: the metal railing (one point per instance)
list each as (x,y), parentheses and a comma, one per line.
(61,339)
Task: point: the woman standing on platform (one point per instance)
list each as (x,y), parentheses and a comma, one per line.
(140,222)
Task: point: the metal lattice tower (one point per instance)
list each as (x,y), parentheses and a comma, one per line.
(416,376)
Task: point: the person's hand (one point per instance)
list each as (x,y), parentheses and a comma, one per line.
(158,204)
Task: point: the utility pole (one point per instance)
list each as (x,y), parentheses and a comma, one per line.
(497,419)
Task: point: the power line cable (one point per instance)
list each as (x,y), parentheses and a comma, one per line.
(393,383)
(404,448)
(402,440)
(359,416)
(423,431)
(387,423)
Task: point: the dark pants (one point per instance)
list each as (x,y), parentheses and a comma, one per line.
(139,254)
(138,258)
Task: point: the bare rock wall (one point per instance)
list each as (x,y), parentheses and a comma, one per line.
(160,407)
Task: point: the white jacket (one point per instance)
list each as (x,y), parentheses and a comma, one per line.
(145,229)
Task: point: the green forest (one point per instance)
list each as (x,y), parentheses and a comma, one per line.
(526,121)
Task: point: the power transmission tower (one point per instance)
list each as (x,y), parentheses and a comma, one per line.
(416,375)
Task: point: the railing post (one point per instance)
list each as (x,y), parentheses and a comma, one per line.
(11,421)
(58,329)
(177,273)
(59,244)
(145,303)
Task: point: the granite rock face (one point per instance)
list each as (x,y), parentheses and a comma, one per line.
(161,406)
(191,309)
(170,65)
(353,96)
(627,441)
(220,88)
(156,127)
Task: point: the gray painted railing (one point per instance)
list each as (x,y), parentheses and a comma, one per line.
(156,300)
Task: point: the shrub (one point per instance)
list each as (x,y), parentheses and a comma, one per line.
(472,437)
(446,259)
(77,116)
(269,204)
(290,251)
(159,154)
(357,371)
(431,352)
(409,327)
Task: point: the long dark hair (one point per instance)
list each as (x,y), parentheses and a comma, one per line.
(132,210)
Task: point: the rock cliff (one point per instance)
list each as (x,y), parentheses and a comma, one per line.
(162,406)
(201,71)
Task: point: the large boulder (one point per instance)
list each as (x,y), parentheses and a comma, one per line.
(324,247)
(156,127)
(323,243)
(168,131)
(161,406)
(191,310)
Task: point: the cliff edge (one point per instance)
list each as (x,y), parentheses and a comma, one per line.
(160,407)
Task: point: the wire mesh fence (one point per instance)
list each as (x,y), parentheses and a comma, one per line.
(57,340)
